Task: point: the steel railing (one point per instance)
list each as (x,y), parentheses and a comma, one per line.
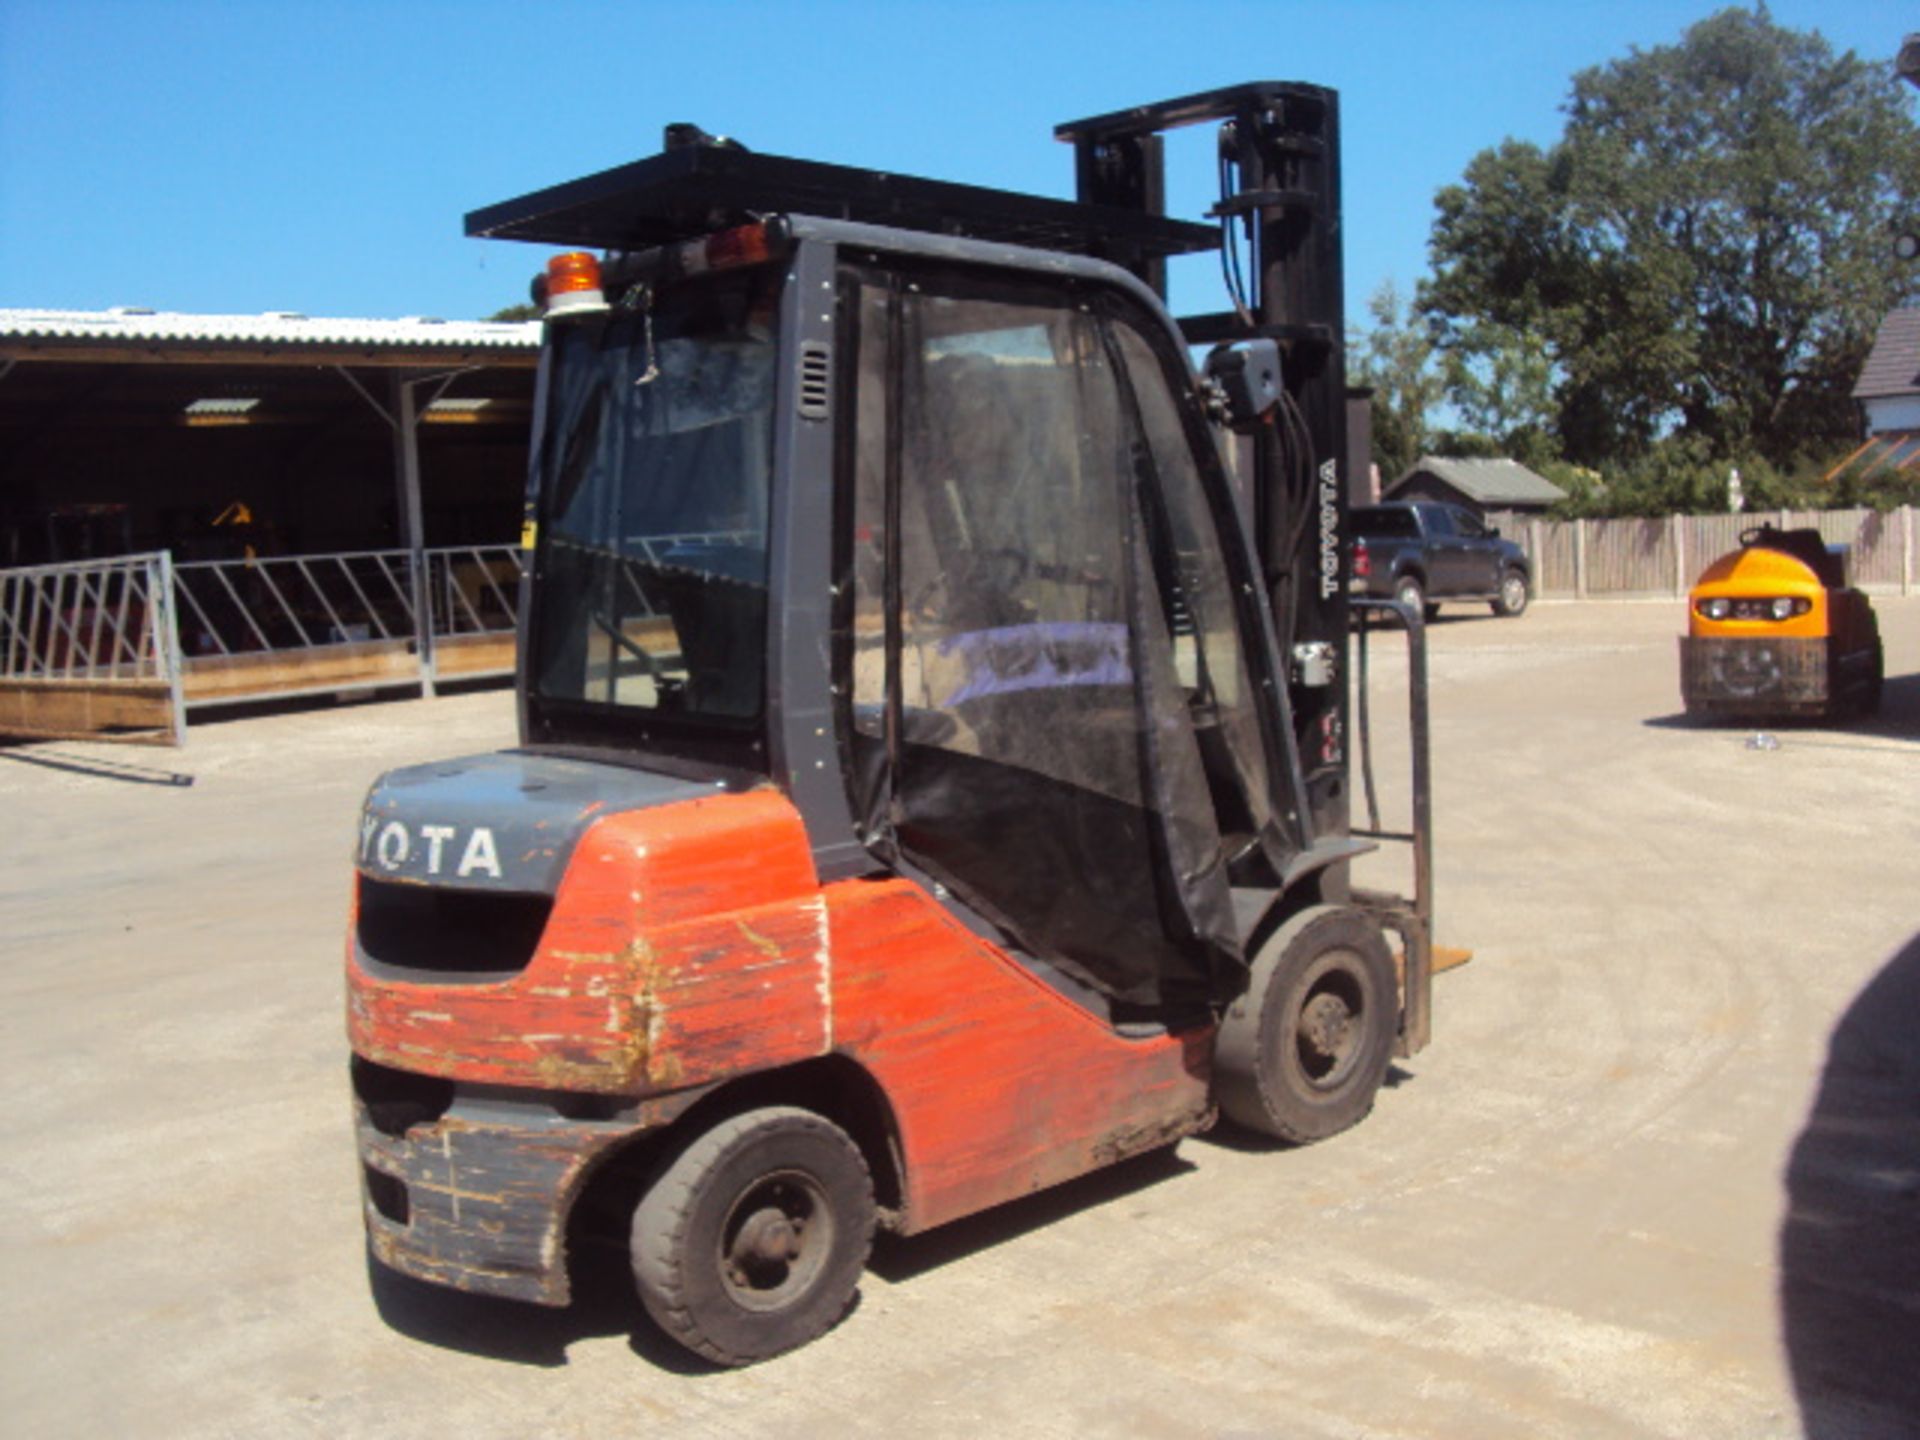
(289,602)
(651,551)
(148,618)
(474,589)
(86,620)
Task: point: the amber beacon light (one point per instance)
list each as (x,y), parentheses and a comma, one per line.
(573,286)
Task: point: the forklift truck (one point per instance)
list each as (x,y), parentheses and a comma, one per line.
(934,778)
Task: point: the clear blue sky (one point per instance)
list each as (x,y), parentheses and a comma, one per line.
(240,156)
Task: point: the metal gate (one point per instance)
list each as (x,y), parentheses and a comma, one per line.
(285,626)
(90,648)
(124,649)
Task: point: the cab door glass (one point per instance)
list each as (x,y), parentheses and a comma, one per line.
(1197,593)
(1007,584)
(654,518)
(1012,573)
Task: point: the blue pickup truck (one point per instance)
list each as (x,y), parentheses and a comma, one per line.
(1422,553)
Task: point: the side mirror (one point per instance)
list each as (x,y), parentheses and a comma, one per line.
(1246,376)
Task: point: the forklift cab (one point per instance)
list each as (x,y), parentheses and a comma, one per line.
(928,790)
(947,550)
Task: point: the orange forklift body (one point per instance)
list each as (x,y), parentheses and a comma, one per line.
(690,944)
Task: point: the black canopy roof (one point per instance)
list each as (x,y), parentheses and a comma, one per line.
(696,189)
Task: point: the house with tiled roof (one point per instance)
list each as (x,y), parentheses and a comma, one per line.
(1888,391)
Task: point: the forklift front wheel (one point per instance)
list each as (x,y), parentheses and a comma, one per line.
(1301,1055)
(752,1239)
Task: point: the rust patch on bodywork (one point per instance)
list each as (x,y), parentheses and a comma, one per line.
(1131,1140)
(685,944)
(483,1195)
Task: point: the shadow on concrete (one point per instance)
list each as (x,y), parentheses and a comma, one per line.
(1899,708)
(1459,611)
(95,766)
(898,1258)
(603,1304)
(271,705)
(1229,1136)
(1850,1244)
(1898,718)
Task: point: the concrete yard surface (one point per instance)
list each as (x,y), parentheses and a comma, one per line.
(1657,1175)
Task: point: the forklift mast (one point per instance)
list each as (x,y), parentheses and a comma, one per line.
(1279,205)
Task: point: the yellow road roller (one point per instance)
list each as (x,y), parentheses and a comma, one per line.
(1774,630)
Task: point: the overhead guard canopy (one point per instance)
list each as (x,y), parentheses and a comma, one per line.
(694,190)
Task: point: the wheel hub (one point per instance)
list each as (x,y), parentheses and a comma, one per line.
(769,1236)
(775,1241)
(1326,1027)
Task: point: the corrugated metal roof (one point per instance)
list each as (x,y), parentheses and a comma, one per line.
(1487,482)
(1893,365)
(131,325)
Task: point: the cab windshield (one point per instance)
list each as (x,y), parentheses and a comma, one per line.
(657,464)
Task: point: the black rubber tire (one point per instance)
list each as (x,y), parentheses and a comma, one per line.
(1515,592)
(736,1186)
(1411,593)
(1269,1075)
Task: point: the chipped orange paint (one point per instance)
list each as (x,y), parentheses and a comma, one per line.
(692,943)
(642,980)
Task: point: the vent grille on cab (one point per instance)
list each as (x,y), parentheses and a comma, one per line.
(816,380)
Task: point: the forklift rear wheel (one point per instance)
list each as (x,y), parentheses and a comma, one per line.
(1301,1055)
(752,1239)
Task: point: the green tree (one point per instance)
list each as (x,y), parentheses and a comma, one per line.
(1703,254)
(524,311)
(1501,383)
(1396,358)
